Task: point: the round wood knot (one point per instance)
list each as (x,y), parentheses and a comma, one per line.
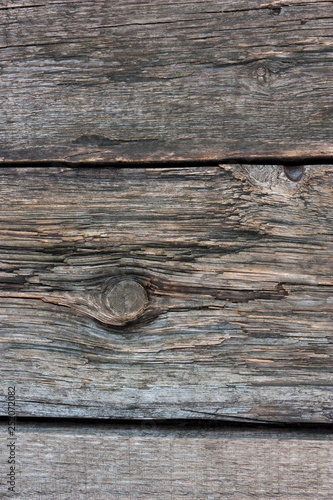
(261,71)
(126,299)
(294,172)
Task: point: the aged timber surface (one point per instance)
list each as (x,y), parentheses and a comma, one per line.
(65,462)
(179,292)
(96,80)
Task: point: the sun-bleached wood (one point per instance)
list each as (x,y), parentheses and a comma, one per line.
(224,282)
(103,462)
(96,80)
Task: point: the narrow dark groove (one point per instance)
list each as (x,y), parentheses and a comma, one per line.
(173,424)
(325,160)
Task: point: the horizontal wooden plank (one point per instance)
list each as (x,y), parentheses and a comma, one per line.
(199,292)
(94,80)
(67,461)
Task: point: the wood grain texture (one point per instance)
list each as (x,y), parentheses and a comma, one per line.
(104,462)
(95,80)
(199,292)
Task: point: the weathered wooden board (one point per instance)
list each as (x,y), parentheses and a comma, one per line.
(66,462)
(96,80)
(177,292)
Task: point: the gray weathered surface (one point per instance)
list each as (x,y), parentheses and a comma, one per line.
(179,292)
(62,462)
(96,80)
